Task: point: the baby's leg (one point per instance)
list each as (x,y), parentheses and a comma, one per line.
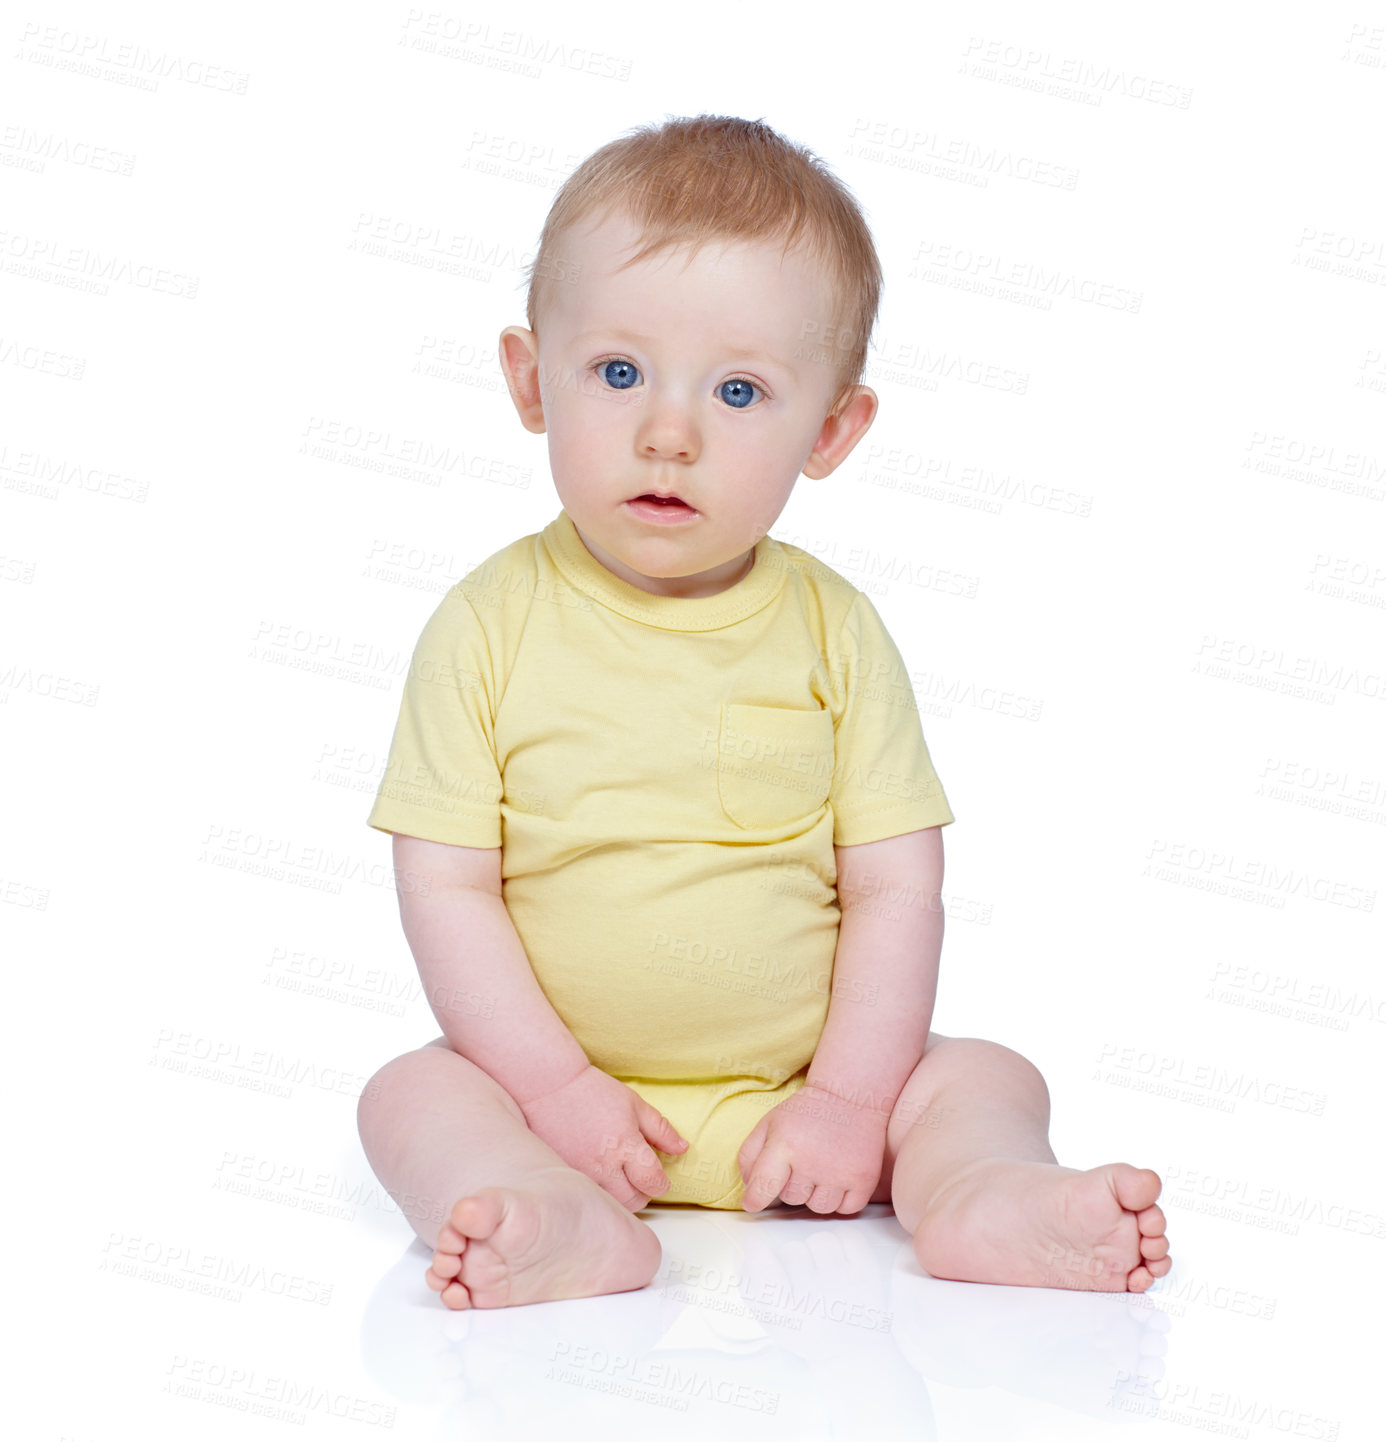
(509,1220)
(975,1181)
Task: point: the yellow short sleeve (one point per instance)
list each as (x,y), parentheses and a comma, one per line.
(442,781)
(884,783)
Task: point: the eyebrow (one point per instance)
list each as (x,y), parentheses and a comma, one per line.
(614,334)
(735,353)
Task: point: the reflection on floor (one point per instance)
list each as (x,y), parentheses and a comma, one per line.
(774,1324)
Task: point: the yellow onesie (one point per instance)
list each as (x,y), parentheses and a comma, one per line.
(667,778)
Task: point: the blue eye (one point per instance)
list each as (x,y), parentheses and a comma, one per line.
(737,393)
(620,374)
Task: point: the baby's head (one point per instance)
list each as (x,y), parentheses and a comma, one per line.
(699,310)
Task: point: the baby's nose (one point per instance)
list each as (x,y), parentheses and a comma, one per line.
(669,431)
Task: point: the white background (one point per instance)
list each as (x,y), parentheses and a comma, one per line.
(1122,509)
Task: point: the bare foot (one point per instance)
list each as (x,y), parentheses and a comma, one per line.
(561,1237)
(1035,1224)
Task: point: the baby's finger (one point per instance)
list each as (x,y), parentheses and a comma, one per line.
(751,1148)
(797,1190)
(647,1178)
(659,1130)
(825,1200)
(645,1172)
(614,1178)
(631,1198)
(766,1182)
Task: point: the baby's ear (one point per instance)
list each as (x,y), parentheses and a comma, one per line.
(842,429)
(519,358)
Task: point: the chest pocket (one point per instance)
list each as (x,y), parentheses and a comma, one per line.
(774,763)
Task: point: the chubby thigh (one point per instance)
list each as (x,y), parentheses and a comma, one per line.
(715,1118)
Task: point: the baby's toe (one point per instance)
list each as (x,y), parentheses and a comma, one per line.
(447,1258)
(450,1239)
(444,1266)
(1151,1221)
(1153,1248)
(456,1296)
(1136,1187)
(1139,1279)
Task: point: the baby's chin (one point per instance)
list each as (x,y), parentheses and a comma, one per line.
(694,580)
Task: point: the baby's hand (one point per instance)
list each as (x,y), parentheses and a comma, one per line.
(816,1148)
(599,1126)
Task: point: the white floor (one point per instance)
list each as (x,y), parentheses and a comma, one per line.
(231,1293)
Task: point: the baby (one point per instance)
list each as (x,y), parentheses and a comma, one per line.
(667,835)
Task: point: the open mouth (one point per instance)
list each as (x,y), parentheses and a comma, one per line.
(660,507)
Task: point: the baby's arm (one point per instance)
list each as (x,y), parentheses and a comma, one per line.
(475,973)
(885,971)
(825,1145)
(482,988)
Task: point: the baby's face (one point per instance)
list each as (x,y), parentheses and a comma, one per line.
(696,379)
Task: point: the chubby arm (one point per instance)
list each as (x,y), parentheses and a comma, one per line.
(475,973)
(885,971)
(825,1145)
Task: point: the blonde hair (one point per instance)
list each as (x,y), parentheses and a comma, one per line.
(700,178)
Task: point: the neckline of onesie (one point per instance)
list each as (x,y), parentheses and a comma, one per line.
(755,590)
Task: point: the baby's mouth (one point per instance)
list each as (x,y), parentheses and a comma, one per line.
(671,502)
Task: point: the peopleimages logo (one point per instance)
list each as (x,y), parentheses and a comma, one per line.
(1223,872)
(1265,1206)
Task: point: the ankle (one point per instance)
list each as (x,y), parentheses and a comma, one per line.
(960,1180)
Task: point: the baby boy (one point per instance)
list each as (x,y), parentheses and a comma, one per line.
(667,835)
